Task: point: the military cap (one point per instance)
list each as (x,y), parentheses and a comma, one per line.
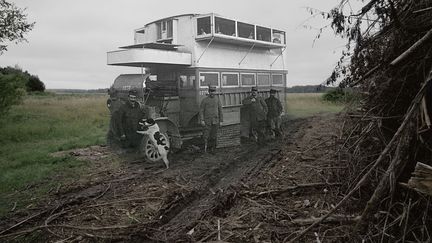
(254,89)
(212,88)
(273,91)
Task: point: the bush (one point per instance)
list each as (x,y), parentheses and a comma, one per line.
(32,83)
(339,95)
(12,91)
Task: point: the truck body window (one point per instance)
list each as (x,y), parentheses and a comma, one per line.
(246,30)
(248,79)
(225,26)
(263,33)
(203,26)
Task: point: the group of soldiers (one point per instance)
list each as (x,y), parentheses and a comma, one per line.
(264,115)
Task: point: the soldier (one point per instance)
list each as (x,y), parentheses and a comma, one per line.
(210,118)
(274,112)
(257,114)
(130,114)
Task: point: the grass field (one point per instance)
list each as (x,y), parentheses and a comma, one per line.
(301,105)
(46,124)
(40,126)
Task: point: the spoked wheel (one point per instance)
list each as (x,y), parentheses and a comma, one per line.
(150,151)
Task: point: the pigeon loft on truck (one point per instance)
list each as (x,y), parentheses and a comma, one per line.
(179,57)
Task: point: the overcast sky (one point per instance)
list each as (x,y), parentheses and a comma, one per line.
(68,45)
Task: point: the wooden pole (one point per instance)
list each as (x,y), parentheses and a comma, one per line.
(410,50)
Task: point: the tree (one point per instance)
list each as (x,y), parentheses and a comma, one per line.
(12,90)
(13,24)
(34,84)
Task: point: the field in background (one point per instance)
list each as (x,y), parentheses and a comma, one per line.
(301,105)
(47,124)
(39,127)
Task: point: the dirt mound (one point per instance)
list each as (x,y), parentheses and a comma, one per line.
(240,194)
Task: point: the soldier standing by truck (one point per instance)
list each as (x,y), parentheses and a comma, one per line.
(124,122)
(257,108)
(211,117)
(274,112)
(131,114)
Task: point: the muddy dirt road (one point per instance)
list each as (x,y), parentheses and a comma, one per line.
(240,194)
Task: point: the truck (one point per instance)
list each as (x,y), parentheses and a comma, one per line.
(178,58)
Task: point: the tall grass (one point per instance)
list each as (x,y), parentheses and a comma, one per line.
(301,105)
(43,125)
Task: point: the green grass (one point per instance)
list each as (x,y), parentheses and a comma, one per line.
(40,126)
(301,105)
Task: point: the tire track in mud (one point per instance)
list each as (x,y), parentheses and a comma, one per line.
(218,192)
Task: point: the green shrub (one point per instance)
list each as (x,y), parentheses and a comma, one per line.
(32,82)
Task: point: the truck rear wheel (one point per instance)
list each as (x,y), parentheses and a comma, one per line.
(150,151)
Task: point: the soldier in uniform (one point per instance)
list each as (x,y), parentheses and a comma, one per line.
(210,118)
(257,108)
(274,113)
(130,114)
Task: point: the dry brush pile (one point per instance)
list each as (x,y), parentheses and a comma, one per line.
(388,132)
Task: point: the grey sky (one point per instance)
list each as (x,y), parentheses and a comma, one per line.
(67,47)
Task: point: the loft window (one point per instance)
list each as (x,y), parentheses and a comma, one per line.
(165,29)
(169,28)
(277,79)
(246,30)
(278,37)
(209,79)
(159,30)
(139,36)
(263,79)
(230,79)
(203,26)
(248,79)
(263,33)
(225,26)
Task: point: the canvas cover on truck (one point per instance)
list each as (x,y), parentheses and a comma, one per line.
(126,82)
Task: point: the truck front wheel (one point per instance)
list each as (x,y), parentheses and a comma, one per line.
(150,151)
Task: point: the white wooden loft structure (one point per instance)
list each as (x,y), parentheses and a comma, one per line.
(204,41)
